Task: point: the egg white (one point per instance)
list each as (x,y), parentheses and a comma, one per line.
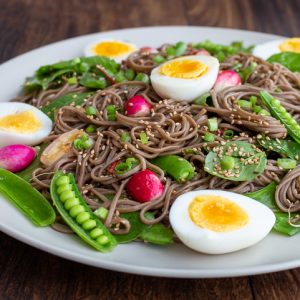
(9,137)
(186,89)
(268,49)
(261,221)
(88,50)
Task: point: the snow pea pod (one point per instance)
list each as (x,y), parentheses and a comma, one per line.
(78,215)
(31,203)
(176,167)
(280,113)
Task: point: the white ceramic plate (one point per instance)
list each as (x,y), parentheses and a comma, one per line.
(274,253)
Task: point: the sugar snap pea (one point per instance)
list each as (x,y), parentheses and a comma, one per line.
(78,215)
(31,203)
(175,166)
(280,113)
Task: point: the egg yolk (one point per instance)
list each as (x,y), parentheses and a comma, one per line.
(186,69)
(291,45)
(112,49)
(217,214)
(22,122)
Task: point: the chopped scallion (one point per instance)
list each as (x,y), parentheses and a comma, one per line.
(212,124)
(144,138)
(244,104)
(72,80)
(286,163)
(228,134)
(125,137)
(91,111)
(91,128)
(208,137)
(111,112)
(101,213)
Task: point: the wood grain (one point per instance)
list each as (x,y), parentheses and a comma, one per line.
(28,273)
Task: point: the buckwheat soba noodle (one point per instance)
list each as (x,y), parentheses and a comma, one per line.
(173,127)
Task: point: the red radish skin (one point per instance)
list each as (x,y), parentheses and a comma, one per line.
(137,106)
(226,79)
(15,158)
(145,186)
(148,49)
(203,52)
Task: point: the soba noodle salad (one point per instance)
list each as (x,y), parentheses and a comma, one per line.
(196,143)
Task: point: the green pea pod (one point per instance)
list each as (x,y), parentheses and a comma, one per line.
(280,113)
(78,215)
(284,147)
(31,203)
(247,162)
(175,166)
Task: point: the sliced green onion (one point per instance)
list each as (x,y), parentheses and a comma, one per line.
(189,151)
(201,100)
(101,213)
(91,128)
(111,112)
(227,162)
(286,163)
(126,166)
(158,59)
(144,138)
(125,137)
(91,111)
(212,124)
(257,109)
(264,112)
(120,76)
(129,74)
(208,137)
(244,103)
(77,144)
(253,100)
(72,80)
(228,134)
(87,144)
(142,77)
(122,167)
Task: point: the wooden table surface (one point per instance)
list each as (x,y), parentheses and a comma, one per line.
(28,273)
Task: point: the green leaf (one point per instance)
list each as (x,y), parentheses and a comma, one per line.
(290,60)
(157,234)
(137,227)
(243,154)
(266,196)
(284,147)
(52,108)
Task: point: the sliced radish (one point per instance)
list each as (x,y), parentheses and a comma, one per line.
(137,106)
(225,79)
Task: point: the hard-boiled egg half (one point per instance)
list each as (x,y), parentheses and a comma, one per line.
(114,49)
(266,50)
(21,123)
(217,222)
(185,78)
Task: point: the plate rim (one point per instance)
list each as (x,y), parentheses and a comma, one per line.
(137,269)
